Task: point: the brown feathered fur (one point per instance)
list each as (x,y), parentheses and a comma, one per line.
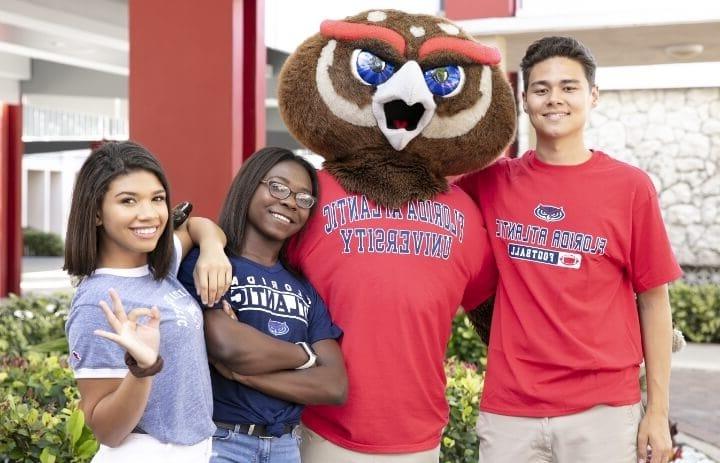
(361,158)
(481,318)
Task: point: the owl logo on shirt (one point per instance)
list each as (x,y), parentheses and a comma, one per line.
(549,213)
(278,328)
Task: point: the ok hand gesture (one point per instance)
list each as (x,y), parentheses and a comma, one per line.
(142,341)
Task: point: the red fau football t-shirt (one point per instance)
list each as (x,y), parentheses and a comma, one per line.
(573,245)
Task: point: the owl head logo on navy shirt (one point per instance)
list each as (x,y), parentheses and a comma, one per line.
(278,328)
(549,213)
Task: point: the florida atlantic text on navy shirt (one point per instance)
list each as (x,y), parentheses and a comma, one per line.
(258,293)
(277,303)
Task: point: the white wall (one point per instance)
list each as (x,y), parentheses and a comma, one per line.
(50,178)
(9,91)
(674,135)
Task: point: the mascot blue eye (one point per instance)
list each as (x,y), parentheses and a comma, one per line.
(371,69)
(445,81)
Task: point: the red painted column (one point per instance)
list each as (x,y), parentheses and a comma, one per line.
(197,91)
(11,149)
(252,76)
(476,9)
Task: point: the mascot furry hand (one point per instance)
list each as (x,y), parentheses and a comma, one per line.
(395,103)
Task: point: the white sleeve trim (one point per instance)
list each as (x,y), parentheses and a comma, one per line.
(88,373)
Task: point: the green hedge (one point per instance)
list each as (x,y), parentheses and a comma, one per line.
(464,386)
(696,311)
(465,344)
(39,415)
(33,323)
(39,243)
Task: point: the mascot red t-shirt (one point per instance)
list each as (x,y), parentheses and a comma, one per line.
(410,268)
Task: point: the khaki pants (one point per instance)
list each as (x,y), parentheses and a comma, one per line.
(317,449)
(602,434)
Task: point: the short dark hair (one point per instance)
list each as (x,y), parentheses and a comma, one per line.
(105,164)
(233,216)
(565,47)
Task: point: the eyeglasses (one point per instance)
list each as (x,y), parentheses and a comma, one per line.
(281,191)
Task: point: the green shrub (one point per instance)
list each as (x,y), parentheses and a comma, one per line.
(39,243)
(465,343)
(38,377)
(464,386)
(39,415)
(33,320)
(696,311)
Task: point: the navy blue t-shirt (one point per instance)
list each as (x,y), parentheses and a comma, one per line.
(274,301)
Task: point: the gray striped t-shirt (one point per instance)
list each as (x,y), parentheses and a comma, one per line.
(179,409)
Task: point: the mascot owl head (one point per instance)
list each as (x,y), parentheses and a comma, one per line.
(395,102)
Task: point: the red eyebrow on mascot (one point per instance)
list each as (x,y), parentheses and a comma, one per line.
(395,103)
(477,52)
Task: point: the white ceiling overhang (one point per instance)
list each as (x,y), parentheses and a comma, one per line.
(86,33)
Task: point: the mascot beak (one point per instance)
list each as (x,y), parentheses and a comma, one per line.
(403,105)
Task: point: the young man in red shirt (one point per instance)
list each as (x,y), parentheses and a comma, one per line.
(577,236)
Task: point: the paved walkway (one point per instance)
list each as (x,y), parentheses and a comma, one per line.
(695,397)
(43,275)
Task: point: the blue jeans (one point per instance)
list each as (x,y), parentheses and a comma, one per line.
(232,447)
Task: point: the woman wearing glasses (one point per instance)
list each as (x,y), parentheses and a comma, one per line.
(273,347)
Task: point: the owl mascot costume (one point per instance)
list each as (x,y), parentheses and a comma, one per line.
(395,103)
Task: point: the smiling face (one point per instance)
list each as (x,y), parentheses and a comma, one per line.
(132,217)
(558,99)
(273,220)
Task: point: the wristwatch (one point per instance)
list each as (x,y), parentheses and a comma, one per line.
(312,356)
